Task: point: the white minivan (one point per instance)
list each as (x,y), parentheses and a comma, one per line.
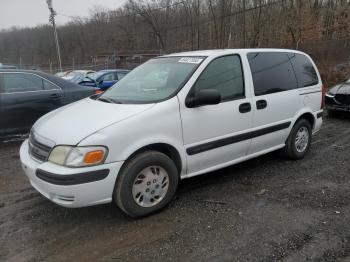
(174,117)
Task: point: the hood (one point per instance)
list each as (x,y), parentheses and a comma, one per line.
(342,89)
(70,124)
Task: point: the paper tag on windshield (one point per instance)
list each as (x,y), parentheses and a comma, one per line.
(191,60)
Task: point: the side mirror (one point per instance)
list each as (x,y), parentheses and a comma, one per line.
(100,83)
(204,97)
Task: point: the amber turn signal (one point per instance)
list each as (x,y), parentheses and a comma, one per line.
(94,157)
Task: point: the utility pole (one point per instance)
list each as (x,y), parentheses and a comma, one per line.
(244,27)
(229,38)
(52,21)
(198,14)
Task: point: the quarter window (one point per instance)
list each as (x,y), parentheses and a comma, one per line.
(225,75)
(49,86)
(272,72)
(16,82)
(304,70)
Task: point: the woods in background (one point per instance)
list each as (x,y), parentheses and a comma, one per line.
(319,27)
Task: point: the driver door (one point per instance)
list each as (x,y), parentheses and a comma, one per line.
(25,98)
(108,80)
(217,134)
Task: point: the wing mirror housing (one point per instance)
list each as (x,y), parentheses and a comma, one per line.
(100,83)
(204,97)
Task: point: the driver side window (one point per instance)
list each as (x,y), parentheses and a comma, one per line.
(108,77)
(225,75)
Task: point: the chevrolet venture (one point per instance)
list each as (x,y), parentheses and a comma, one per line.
(174,117)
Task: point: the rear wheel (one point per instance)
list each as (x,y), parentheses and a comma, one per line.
(299,140)
(146,184)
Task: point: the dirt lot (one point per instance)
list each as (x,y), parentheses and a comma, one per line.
(266,209)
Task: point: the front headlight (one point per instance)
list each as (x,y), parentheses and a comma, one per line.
(72,156)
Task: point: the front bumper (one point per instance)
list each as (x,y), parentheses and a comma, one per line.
(71,187)
(331,104)
(338,108)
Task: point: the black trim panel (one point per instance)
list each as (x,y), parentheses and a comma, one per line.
(74,179)
(310,93)
(235,139)
(319,115)
(338,108)
(269,129)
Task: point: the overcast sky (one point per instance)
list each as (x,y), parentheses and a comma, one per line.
(24,13)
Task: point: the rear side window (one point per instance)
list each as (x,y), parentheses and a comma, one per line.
(109,77)
(272,72)
(121,75)
(225,75)
(304,70)
(49,86)
(16,82)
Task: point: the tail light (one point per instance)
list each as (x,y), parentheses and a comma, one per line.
(323,97)
(98,91)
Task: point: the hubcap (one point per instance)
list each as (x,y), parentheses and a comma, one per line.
(302,139)
(150,186)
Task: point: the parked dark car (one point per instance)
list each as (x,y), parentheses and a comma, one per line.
(338,98)
(27,95)
(342,67)
(104,79)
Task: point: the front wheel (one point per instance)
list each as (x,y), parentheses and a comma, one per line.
(299,140)
(146,184)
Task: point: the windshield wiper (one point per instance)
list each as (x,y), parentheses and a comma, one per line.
(109,100)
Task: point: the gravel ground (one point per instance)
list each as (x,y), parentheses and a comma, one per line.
(266,209)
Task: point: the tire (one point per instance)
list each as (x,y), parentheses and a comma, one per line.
(294,150)
(142,179)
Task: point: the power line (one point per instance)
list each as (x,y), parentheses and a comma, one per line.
(201,22)
(138,13)
(228,15)
(69,16)
(186,25)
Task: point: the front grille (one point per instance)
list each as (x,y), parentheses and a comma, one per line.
(343,99)
(38,150)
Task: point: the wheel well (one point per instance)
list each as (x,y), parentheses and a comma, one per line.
(166,149)
(309,117)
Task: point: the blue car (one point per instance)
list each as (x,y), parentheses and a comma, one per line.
(104,79)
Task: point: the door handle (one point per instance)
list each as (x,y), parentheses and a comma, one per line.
(55,96)
(245,108)
(261,104)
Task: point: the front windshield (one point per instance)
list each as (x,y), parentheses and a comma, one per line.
(153,81)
